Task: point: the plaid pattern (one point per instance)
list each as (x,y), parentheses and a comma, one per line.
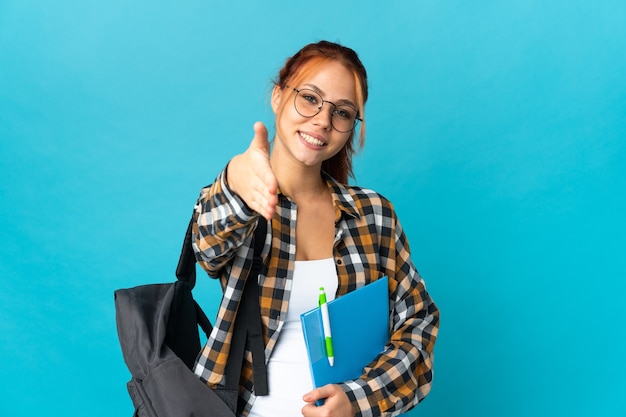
(369,244)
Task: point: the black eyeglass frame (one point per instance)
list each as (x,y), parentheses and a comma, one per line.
(321,106)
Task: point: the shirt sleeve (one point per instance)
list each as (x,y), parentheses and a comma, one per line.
(221,225)
(401,376)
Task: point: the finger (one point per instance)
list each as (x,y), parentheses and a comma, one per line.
(260,140)
(261,143)
(263,201)
(264,182)
(267,179)
(309,410)
(265,209)
(336,402)
(318,394)
(262,186)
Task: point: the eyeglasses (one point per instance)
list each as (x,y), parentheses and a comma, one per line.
(308,103)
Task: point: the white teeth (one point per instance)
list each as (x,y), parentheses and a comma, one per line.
(311,140)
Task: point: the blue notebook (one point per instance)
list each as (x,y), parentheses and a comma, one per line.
(359,323)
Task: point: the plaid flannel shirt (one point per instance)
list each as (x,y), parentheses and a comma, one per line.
(369,244)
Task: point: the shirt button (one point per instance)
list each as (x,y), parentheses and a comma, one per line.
(339,261)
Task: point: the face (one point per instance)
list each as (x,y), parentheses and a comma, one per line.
(310,141)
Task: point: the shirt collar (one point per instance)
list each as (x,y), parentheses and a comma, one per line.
(342,198)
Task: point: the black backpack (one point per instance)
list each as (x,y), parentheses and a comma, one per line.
(157,327)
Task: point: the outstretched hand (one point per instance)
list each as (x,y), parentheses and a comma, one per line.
(336,402)
(251,177)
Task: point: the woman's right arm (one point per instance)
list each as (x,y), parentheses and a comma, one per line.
(221,224)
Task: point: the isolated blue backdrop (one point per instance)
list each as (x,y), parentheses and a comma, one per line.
(496,127)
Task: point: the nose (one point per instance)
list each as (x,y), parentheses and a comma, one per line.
(325,115)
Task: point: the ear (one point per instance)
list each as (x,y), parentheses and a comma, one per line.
(277,93)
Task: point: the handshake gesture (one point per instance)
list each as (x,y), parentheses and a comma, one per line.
(250,175)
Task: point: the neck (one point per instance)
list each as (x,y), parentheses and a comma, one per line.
(298,181)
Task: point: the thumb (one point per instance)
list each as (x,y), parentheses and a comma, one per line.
(317,394)
(260,141)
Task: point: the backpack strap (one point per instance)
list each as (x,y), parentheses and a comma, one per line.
(186,268)
(248,326)
(186,271)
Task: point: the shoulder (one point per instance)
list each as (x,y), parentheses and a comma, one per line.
(362,202)
(366,197)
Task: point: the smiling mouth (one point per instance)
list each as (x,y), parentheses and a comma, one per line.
(311,140)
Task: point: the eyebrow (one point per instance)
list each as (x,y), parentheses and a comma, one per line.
(321,93)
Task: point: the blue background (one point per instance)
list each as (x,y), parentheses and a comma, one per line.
(496,127)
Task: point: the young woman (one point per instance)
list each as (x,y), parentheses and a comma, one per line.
(321,232)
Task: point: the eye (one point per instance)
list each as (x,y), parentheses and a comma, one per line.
(310,98)
(345,113)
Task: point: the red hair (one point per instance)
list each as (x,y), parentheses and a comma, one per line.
(304,62)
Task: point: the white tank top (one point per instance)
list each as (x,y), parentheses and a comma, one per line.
(288,372)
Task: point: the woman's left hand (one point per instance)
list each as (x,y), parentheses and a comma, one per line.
(336,402)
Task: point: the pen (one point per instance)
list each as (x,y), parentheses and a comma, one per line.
(328,337)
